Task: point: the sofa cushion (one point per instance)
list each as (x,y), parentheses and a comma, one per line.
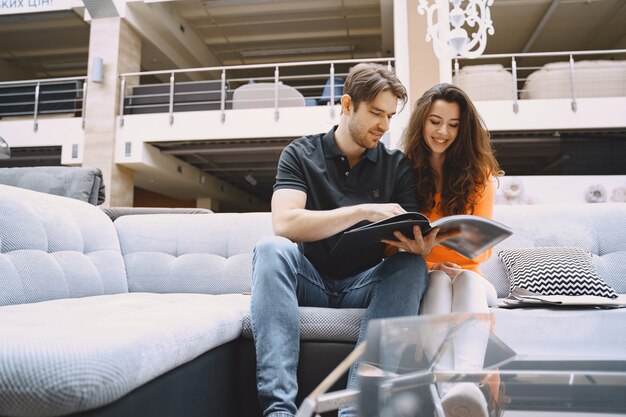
(181,253)
(554,271)
(323,324)
(55,247)
(592,227)
(63,356)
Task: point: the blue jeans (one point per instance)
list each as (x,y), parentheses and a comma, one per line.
(283,279)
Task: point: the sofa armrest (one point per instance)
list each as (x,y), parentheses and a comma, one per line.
(81,183)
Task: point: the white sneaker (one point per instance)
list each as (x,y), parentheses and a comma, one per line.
(464,400)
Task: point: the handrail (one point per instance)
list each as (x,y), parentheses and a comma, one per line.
(548,54)
(258,66)
(515,68)
(43,80)
(221,73)
(39,98)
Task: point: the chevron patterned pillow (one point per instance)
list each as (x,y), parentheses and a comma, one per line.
(554,271)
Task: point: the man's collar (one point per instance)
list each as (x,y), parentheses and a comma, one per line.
(329,145)
(331,150)
(372,154)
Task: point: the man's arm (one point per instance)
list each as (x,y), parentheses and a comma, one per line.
(291,220)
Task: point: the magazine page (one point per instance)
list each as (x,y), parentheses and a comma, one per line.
(476,234)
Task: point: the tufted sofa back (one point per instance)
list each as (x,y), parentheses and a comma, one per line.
(187,253)
(213,253)
(54,247)
(597,228)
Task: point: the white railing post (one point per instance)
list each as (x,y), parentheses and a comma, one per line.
(456,67)
(332,91)
(122,94)
(35,122)
(223,97)
(276,114)
(573,89)
(514,72)
(171,107)
(84,106)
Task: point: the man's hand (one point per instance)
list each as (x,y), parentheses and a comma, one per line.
(374,212)
(449,268)
(290,219)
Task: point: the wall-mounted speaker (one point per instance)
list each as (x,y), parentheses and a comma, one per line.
(97,70)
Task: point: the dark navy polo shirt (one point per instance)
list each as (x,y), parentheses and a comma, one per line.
(314,165)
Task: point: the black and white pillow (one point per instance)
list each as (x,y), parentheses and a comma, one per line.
(554,271)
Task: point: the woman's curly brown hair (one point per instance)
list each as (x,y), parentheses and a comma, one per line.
(469,161)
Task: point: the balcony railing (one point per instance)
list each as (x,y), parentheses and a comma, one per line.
(565,75)
(292,84)
(44,96)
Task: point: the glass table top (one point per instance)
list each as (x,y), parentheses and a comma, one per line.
(434,365)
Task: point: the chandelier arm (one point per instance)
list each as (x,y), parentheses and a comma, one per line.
(432,28)
(457,42)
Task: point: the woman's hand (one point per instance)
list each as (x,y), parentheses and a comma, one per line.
(421,245)
(449,268)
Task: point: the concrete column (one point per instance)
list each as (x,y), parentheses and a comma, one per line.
(417,65)
(423,63)
(119,47)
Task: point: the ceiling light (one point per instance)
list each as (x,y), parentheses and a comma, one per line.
(298,51)
(446,26)
(251,180)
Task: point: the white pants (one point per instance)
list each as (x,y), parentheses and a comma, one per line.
(467,292)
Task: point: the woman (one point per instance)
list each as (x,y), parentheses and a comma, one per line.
(454,165)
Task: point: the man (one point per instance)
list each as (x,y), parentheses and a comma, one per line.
(325,184)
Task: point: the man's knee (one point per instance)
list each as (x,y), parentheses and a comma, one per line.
(271,246)
(274,260)
(409,262)
(408,272)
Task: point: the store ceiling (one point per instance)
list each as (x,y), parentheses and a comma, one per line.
(56,44)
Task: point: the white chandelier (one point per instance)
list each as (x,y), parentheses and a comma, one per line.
(449,38)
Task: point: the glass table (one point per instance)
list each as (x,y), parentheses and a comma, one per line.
(431,365)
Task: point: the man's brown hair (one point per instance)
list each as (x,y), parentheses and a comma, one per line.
(365,81)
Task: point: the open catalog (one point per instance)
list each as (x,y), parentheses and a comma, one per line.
(476,234)
(521,297)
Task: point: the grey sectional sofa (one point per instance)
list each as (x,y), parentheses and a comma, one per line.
(148,316)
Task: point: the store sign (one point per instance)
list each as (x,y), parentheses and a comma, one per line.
(34,6)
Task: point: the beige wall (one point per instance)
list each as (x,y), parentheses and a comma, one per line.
(423,64)
(119,46)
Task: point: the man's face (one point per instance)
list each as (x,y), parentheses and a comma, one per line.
(370,121)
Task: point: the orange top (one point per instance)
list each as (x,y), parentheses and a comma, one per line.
(484,208)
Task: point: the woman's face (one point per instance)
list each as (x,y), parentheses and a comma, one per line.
(441,125)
